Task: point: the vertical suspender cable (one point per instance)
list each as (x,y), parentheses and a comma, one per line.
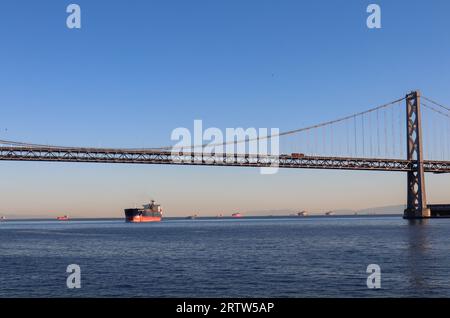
(363,136)
(393,132)
(356,136)
(378,132)
(386,155)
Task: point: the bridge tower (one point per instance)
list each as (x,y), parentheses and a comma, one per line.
(416,201)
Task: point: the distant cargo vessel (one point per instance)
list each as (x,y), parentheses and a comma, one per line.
(302,213)
(2,219)
(62,218)
(151,212)
(236,215)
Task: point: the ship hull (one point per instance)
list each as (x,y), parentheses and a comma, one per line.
(141,216)
(141,219)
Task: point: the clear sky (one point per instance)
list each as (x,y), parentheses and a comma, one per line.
(138,69)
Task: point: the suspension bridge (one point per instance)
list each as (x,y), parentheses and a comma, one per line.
(376,139)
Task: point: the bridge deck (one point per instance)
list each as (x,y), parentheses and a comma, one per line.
(151,156)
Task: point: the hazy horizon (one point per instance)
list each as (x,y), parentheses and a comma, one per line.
(395,209)
(133,74)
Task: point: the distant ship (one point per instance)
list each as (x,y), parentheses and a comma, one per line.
(192,217)
(302,213)
(151,212)
(62,218)
(2,219)
(329,213)
(236,215)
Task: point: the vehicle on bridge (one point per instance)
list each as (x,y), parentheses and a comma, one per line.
(297,155)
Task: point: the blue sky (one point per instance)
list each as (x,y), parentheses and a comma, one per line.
(138,69)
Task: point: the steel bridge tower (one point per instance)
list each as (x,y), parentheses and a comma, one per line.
(417,200)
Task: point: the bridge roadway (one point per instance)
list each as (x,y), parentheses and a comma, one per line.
(155,156)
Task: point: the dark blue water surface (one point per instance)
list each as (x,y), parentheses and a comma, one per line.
(258,257)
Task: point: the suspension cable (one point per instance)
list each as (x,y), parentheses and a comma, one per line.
(436,103)
(327,123)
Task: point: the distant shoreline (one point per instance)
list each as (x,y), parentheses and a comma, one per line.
(217,218)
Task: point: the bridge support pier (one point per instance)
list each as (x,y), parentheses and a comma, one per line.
(416,199)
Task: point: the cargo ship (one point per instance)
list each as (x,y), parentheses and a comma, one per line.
(236,215)
(151,212)
(62,218)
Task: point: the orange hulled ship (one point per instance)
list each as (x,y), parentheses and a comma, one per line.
(151,212)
